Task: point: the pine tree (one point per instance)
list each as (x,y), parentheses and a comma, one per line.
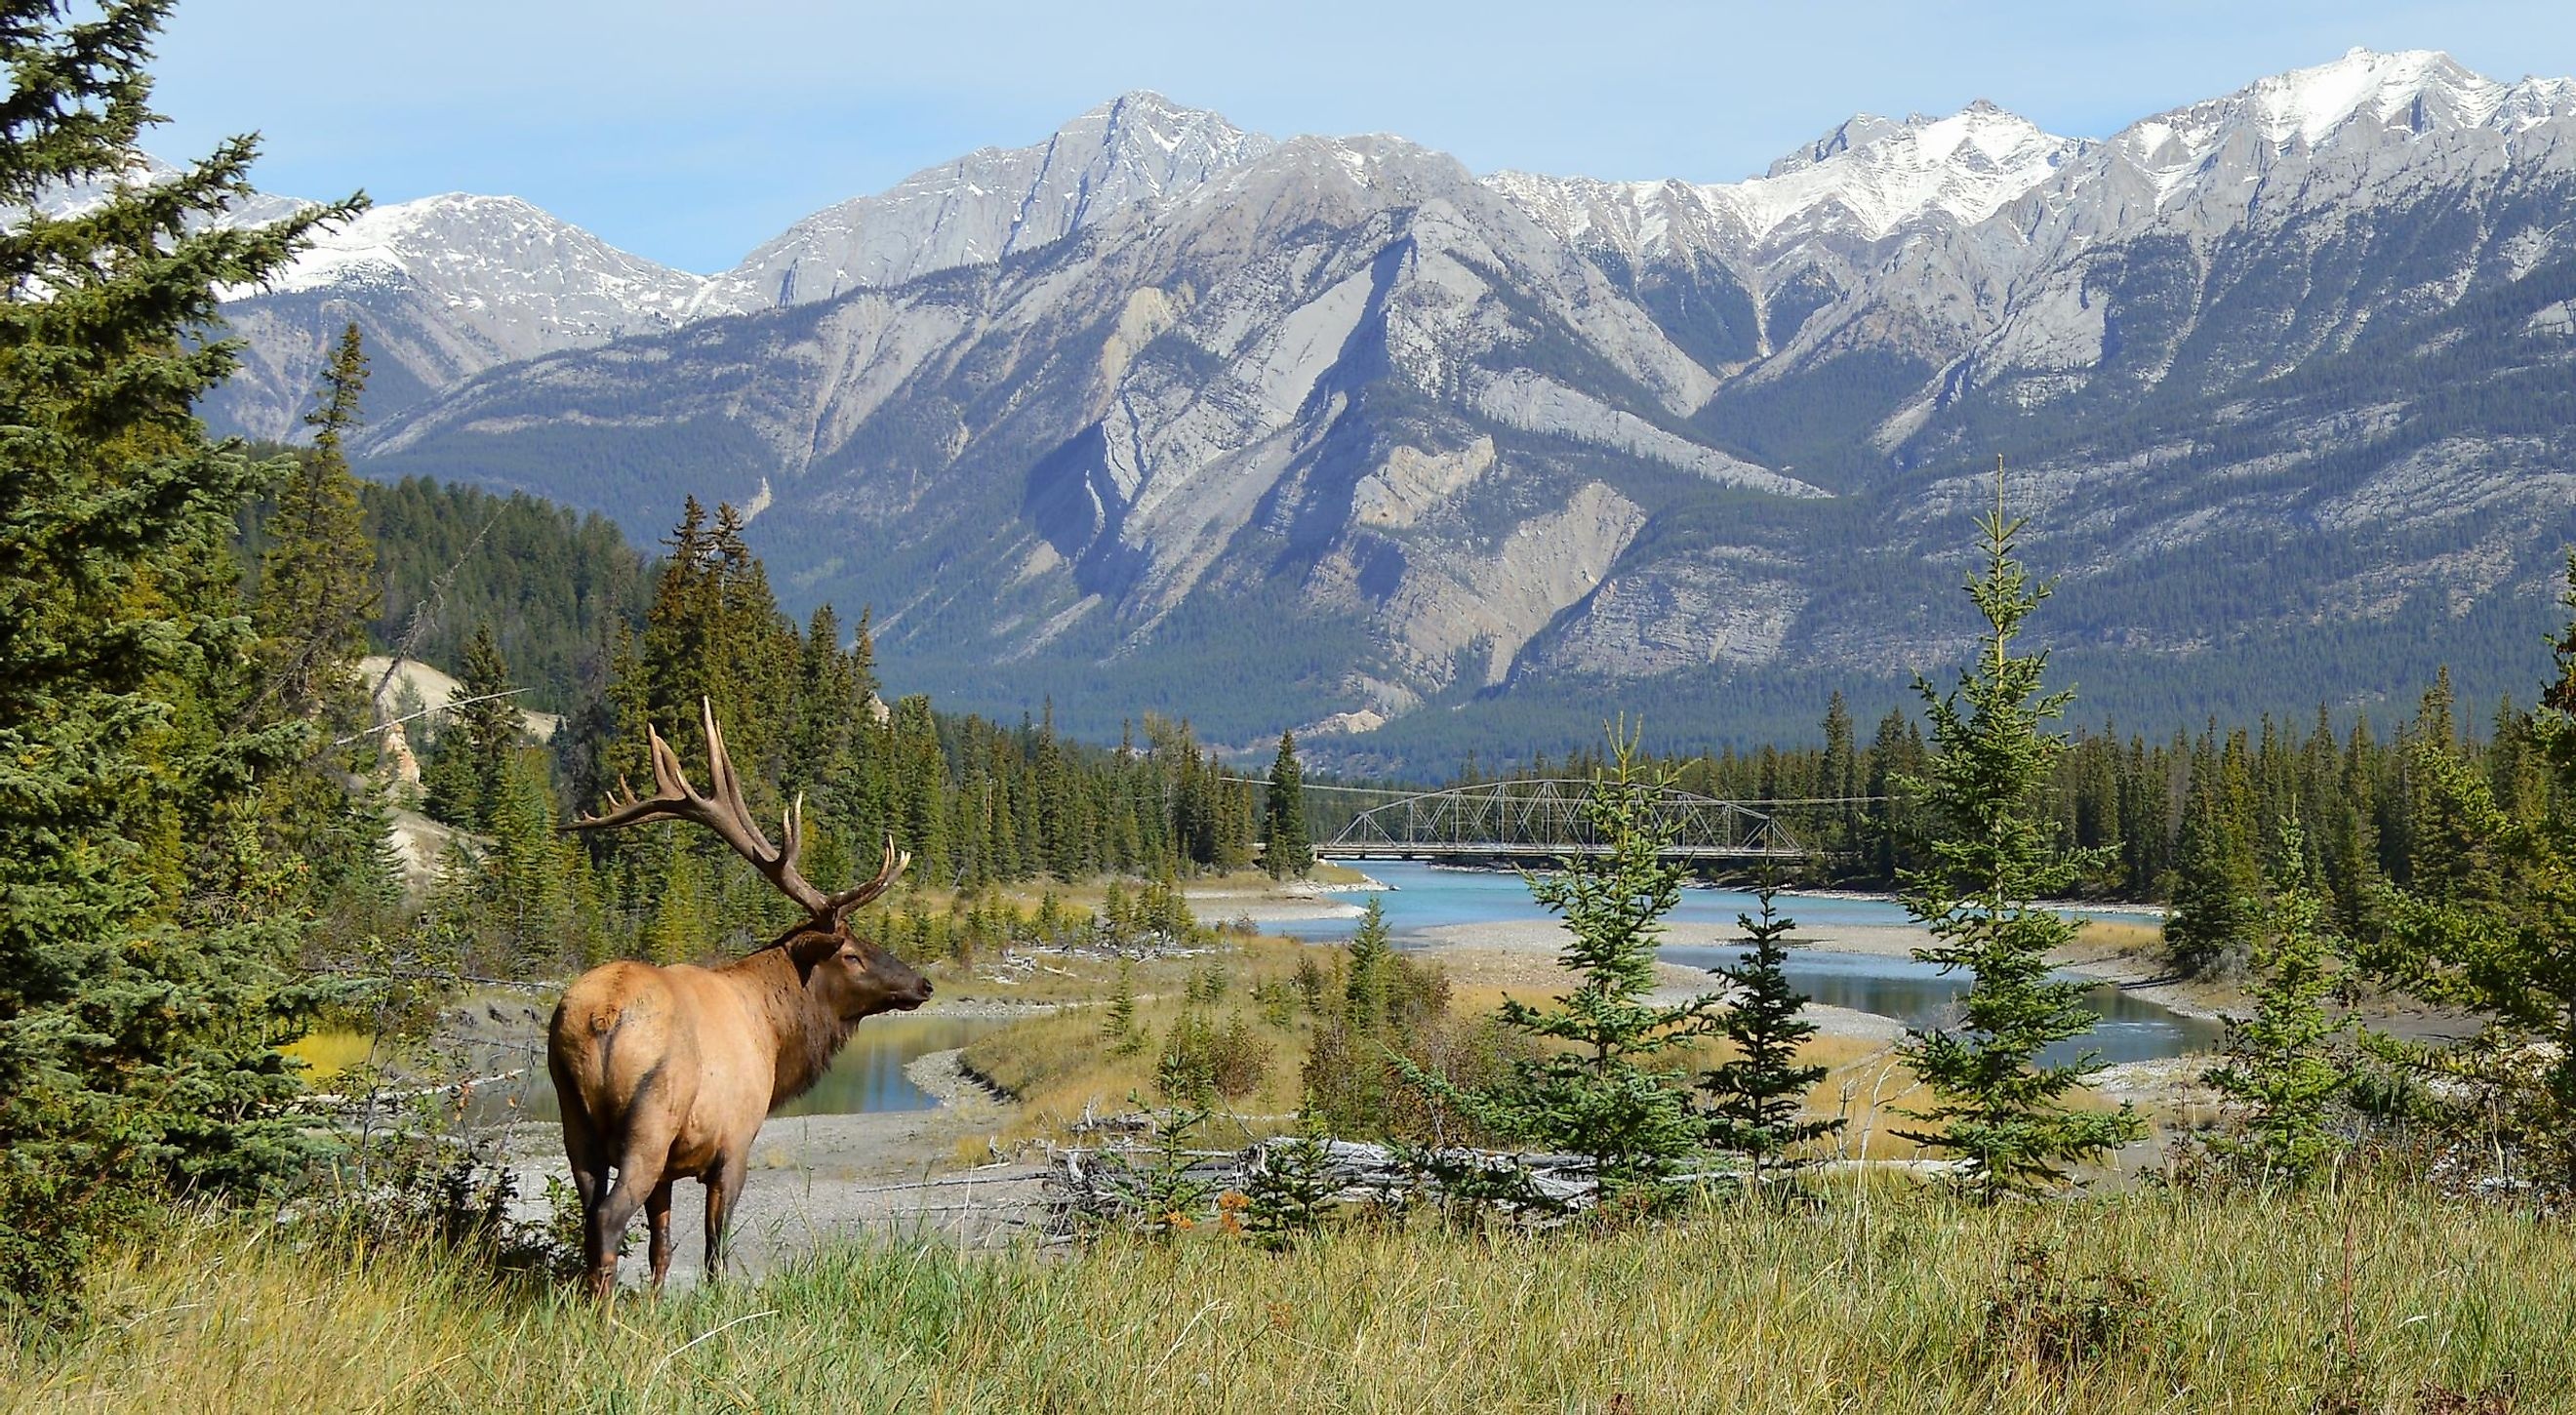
(1369,991)
(1117,919)
(483,732)
(684,924)
(2485,919)
(1994,1104)
(1895,757)
(143,966)
(2212,928)
(1293,1188)
(1756,1095)
(1841,778)
(1119,1026)
(1602,1091)
(2281,1076)
(1286,852)
(317,585)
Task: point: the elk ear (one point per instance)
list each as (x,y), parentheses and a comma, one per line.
(811,945)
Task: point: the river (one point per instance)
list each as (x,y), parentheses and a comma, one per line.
(1422,896)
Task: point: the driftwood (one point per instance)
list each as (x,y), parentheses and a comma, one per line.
(358,1100)
(1089,1187)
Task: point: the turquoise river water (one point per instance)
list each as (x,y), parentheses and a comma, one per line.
(1425,896)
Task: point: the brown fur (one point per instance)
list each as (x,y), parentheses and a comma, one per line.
(667,1073)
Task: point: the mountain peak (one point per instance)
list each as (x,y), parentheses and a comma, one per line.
(2367,94)
(1136,147)
(1878,173)
(2309,104)
(1144,122)
(1858,130)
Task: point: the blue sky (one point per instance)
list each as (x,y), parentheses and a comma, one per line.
(689,133)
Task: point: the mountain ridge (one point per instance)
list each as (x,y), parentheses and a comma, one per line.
(1480,449)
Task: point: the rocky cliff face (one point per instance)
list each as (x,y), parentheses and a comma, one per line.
(1314,429)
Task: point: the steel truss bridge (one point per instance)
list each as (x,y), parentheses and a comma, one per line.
(1538,819)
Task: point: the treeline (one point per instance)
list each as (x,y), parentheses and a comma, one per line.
(2146,820)
(550,584)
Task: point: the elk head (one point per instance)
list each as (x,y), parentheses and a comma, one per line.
(848,976)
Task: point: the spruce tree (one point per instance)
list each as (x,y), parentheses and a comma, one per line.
(144,971)
(1117,918)
(483,732)
(1286,852)
(2212,928)
(317,586)
(1841,772)
(1601,1088)
(1756,1095)
(1293,1188)
(315,592)
(1369,991)
(1995,1105)
(1118,1027)
(2282,1076)
(2485,919)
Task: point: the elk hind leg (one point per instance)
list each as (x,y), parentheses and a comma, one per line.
(587,1154)
(657,1217)
(639,1173)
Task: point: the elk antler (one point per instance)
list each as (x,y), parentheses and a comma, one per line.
(726,814)
(891,869)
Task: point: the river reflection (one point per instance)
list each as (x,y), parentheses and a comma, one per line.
(1919,995)
(1429,896)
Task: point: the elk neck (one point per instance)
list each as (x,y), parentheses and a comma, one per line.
(806,1033)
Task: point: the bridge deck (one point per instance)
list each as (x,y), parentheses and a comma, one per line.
(1486,849)
(1525,819)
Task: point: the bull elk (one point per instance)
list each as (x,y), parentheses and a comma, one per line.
(666,1073)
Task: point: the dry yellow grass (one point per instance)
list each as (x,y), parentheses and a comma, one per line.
(2116,936)
(1062,1067)
(329,1052)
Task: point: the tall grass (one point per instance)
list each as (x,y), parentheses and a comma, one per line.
(1884,1301)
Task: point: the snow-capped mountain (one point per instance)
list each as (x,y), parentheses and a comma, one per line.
(445,287)
(1865,179)
(453,285)
(2287,375)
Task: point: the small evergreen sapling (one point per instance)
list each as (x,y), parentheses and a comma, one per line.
(1369,990)
(1294,1188)
(2282,1076)
(1168,1194)
(1119,1027)
(1755,1097)
(1603,1090)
